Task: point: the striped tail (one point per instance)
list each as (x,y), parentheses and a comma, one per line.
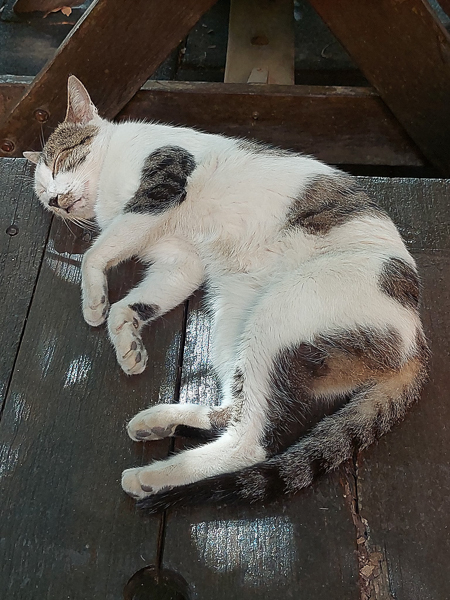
(370,413)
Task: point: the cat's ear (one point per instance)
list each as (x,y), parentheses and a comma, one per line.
(80,109)
(33,157)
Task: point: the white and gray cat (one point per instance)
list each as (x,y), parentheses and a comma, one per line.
(317,339)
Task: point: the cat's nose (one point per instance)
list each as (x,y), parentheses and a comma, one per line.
(53,201)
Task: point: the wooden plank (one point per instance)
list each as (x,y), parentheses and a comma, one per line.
(403,50)
(113,51)
(261,37)
(302,548)
(338,125)
(404,482)
(67,528)
(24,231)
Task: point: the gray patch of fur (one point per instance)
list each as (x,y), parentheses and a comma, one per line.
(145,312)
(400,281)
(294,408)
(330,201)
(163,180)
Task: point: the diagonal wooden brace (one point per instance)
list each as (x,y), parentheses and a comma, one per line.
(113,50)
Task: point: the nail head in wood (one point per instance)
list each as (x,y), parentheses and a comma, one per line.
(41,115)
(7,146)
(12,230)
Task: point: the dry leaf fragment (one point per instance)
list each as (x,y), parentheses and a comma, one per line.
(367,571)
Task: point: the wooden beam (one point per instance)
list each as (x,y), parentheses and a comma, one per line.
(404,51)
(260,40)
(339,125)
(113,49)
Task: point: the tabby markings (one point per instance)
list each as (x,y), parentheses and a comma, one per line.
(399,280)
(163,180)
(68,146)
(312,381)
(329,202)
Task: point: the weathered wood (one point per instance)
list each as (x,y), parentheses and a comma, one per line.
(23,234)
(113,51)
(338,125)
(403,481)
(302,548)
(261,36)
(403,50)
(67,528)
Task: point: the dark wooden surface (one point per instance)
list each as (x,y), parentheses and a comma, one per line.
(375,530)
(404,51)
(23,235)
(112,64)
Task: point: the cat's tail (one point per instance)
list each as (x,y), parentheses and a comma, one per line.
(370,413)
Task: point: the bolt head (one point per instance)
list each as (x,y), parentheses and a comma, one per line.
(41,115)
(7,146)
(12,230)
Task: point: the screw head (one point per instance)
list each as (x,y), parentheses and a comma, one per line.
(12,230)
(7,146)
(255,115)
(41,115)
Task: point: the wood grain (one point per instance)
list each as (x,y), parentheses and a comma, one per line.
(404,51)
(113,51)
(67,528)
(404,481)
(23,234)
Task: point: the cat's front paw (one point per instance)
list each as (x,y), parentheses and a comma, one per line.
(130,351)
(95,310)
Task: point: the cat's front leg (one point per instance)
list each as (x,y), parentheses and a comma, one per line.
(122,239)
(175,272)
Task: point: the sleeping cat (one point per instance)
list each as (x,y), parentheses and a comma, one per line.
(317,339)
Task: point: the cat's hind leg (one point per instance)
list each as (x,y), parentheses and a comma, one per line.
(170,420)
(175,272)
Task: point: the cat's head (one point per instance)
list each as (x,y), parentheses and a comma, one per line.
(66,169)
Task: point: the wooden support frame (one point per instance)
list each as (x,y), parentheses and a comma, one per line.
(340,125)
(113,50)
(404,51)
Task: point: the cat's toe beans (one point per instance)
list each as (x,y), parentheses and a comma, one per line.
(134,361)
(151,424)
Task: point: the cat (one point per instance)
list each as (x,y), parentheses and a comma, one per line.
(317,340)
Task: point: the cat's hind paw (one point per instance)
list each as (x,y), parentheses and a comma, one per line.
(152,424)
(142,482)
(131,484)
